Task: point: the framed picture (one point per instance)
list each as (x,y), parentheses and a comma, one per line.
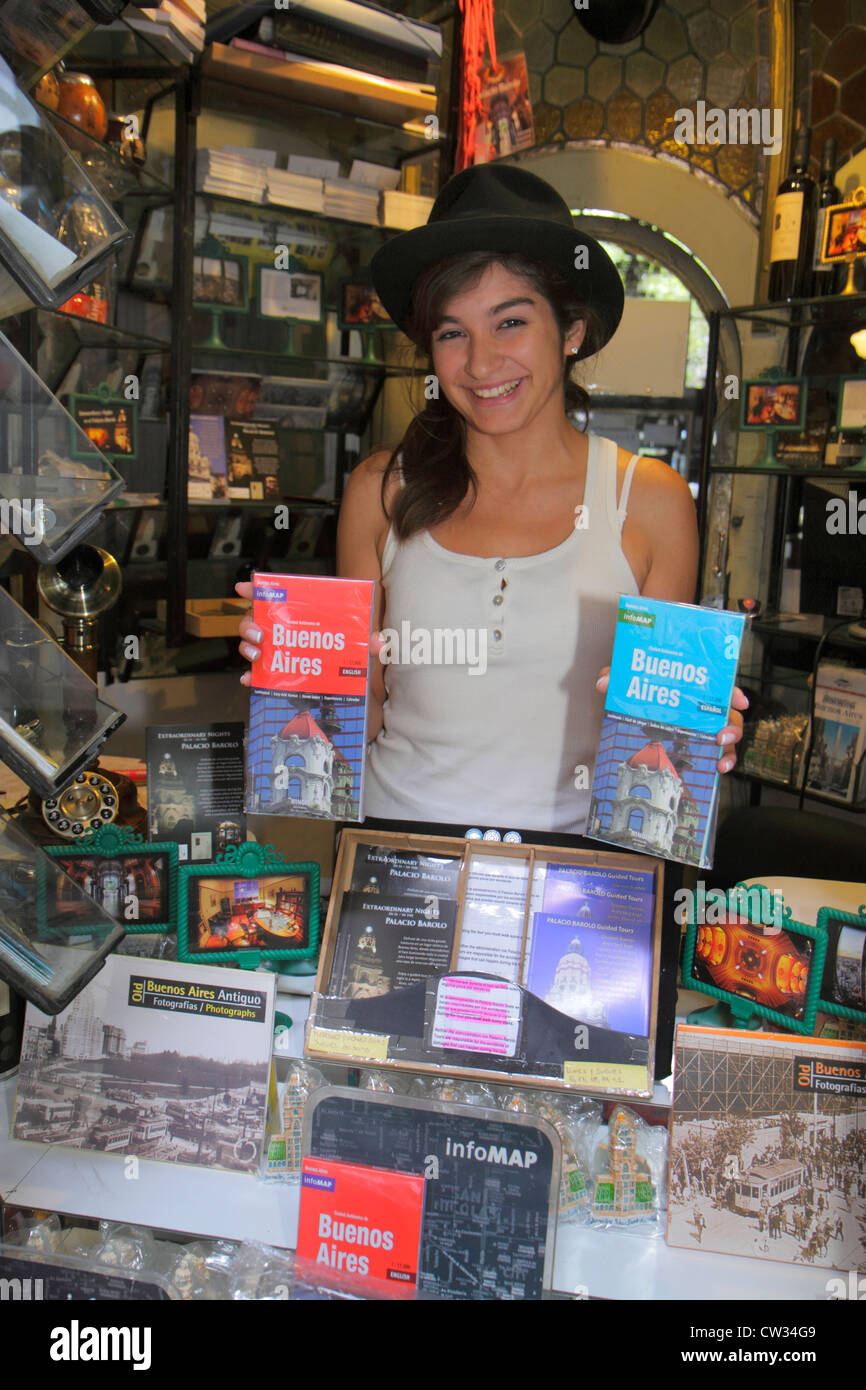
(851,411)
(360,306)
(133,880)
(219,282)
(843,984)
(773,404)
(109,422)
(770,970)
(247,907)
(290,294)
(844,232)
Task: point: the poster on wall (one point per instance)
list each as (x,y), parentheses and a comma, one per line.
(505,123)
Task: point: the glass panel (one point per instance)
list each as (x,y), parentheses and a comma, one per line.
(34,36)
(53,936)
(53,482)
(55,228)
(52,718)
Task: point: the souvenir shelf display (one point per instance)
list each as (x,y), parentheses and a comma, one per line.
(496,961)
(782,450)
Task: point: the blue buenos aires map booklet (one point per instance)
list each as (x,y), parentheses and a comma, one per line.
(656,783)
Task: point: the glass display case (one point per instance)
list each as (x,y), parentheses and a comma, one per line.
(783,463)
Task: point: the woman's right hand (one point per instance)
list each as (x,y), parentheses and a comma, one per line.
(251,635)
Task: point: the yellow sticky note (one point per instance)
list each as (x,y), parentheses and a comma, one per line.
(624,1076)
(370,1047)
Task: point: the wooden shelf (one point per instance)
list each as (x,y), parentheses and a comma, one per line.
(322,84)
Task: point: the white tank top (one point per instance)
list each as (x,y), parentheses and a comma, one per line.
(502,748)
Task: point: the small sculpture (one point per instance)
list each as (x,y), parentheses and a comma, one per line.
(624,1194)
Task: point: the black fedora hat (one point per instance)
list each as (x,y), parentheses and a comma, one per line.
(500,207)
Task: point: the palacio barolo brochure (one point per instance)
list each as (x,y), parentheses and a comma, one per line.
(308,702)
(672,674)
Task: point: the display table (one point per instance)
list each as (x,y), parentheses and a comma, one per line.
(209,1202)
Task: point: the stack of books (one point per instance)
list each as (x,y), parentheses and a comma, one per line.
(356,202)
(175,27)
(403,211)
(294,190)
(231,175)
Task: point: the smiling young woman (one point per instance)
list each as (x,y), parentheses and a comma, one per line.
(495,516)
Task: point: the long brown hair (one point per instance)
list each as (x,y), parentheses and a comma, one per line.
(436,473)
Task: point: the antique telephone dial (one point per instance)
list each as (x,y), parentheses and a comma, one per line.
(81,588)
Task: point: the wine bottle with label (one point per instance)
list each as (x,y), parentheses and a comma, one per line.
(825,278)
(793,227)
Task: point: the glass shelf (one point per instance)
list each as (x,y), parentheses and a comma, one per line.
(298,504)
(835,308)
(115,178)
(278,363)
(105,335)
(796,470)
(811,628)
(117,46)
(857,808)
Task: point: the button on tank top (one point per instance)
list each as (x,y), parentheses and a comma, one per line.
(492,717)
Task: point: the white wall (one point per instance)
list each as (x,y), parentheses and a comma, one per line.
(664,193)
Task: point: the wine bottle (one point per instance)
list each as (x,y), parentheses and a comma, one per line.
(825,278)
(793,227)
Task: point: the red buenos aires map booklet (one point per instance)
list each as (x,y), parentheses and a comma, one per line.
(308,704)
(361,1221)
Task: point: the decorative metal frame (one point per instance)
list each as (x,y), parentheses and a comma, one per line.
(851,919)
(248,861)
(744,1010)
(116,842)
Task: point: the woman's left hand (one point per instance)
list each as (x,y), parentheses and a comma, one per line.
(733,730)
(729,736)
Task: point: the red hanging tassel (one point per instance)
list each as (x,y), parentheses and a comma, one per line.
(477,33)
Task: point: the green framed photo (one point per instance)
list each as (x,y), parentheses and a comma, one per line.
(247,907)
(132,879)
(110,423)
(219,280)
(293,295)
(772,970)
(843,983)
(851,409)
(359,306)
(773,403)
